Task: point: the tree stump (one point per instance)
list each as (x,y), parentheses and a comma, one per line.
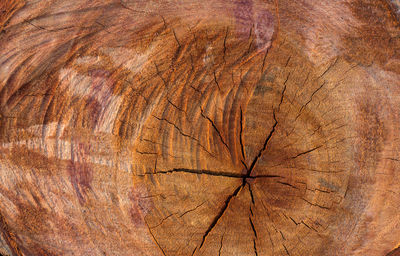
(246,127)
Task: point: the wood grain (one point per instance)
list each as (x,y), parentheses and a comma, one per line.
(185,127)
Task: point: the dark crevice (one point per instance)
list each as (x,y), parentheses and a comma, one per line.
(212,173)
(155,240)
(161,222)
(287,184)
(294,221)
(393,159)
(226,36)
(137,92)
(176,38)
(312,95)
(184,134)
(252,227)
(283,92)
(216,81)
(283,237)
(329,67)
(264,176)
(251,195)
(159,75)
(194,250)
(306,152)
(215,128)
(394,252)
(191,210)
(286,250)
(220,247)
(263,148)
(309,227)
(220,214)
(317,205)
(194,171)
(251,221)
(287,62)
(146,153)
(241,138)
(244,164)
(255,247)
(175,106)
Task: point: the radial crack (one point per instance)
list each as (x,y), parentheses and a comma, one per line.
(161,222)
(286,250)
(184,134)
(160,76)
(194,171)
(220,214)
(306,152)
(216,81)
(316,205)
(175,106)
(263,148)
(287,184)
(251,195)
(329,67)
(264,176)
(226,36)
(255,247)
(191,210)
(220,247)
(312,95)
(283,91)
(215,128)
(155,240)
(252,227)
(176,38)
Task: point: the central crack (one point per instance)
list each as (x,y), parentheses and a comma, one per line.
(239,188)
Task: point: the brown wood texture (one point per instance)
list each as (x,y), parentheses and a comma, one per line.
(183,127)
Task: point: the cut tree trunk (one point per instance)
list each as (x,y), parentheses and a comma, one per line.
(183,127)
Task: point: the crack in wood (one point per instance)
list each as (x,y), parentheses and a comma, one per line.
(316,205)
(220,214)
(191,210)
(241,139)
(184,134)
(283,91)
(306,152)
(220,247)
(311,97)
(255,247)
(286,250)
(226,36)
(161,222)
(216,81)
(215,127)
(194,171)
(263,148)
(154,238)
(252,227)
(287,184)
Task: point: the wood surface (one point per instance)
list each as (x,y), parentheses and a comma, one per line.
(183,127)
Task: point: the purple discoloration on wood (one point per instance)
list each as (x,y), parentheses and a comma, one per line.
(243,12)
(100,95)
(80,172)
(141,204)
(264,29)
(249,20)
